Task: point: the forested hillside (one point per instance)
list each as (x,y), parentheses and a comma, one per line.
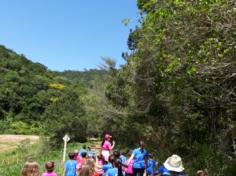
(34,100)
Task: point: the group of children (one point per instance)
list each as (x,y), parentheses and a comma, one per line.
(31,168)
(116,164)
(136,163)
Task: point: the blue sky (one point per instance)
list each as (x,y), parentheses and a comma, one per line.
(67,34)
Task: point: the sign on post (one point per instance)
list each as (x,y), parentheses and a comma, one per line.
(66,138)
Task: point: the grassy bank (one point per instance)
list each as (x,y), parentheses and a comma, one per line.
(11,162)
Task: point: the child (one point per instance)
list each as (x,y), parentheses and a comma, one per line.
(76,154)
(99,163)
(91,164)
(115,170)
(49,166)
(109,164)
(151,165)
(85,171)
(129,166)
(82,161)
(31,168)
(82,150)
(91,153)
(70,166)
(123,157)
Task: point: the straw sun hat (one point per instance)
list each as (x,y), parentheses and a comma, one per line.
(174,163)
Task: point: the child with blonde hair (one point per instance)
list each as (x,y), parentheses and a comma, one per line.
(31,168)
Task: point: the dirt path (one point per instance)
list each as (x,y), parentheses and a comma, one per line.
(9,142)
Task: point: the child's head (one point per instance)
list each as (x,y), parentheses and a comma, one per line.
(100,156)
(84,154)
(85,170)
(141,144)
(49,166)
(116,154)
(76,153)
(111,159)
(71,155)
(117,163)
(30,167)
(150,156)
(91,164)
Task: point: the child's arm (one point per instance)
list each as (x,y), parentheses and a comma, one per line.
(125,165)
(113,145)
(130,158)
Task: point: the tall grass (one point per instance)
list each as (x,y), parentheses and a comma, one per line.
(12,162)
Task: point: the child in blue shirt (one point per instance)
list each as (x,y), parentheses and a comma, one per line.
(151,165)
(70,166)
(109,164)
(115,170)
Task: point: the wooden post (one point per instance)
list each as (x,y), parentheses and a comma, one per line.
(66,138)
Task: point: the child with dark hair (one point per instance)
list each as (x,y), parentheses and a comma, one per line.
(151,165)
(82,150)
(115,171)
(70,165)
(116,154)
(109,164)
(118,158)
(82,161)
(99,164)
(123,157)
(101,159)
(49,166)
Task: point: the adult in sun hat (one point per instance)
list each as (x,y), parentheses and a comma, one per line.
(173,166)
(201,173)
(107,146)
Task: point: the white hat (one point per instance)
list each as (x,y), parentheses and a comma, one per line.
(174,163)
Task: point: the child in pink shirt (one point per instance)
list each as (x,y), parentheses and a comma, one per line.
(129,167)
(49,166)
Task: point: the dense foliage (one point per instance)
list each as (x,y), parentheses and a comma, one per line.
(177,90)
(34,100)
